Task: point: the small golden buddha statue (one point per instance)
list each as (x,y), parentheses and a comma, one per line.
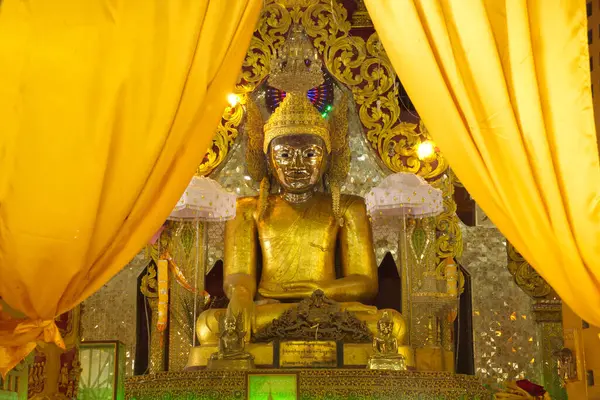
(308,236)
(231,346)
(385,347)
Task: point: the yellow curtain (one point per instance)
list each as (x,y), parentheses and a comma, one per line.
(504,88)
(106,109)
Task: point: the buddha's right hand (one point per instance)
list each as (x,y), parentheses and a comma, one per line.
(241,304)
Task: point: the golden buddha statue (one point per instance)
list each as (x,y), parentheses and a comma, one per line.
(385,347)
(308,238)
(231,353)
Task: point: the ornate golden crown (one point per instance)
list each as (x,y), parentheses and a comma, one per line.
(296,115)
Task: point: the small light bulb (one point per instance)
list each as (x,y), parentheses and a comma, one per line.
(233,99)
(425,150)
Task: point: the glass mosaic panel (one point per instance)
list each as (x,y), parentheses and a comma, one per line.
(505,336)
(110,313)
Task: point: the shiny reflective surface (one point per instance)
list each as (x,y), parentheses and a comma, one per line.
(506,339)
(298,161)
(297,242)
(385,347)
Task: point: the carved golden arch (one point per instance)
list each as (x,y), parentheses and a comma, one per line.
(364,68)
(526,277)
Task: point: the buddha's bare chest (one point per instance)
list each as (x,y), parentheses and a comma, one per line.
(298,245)
(302,227)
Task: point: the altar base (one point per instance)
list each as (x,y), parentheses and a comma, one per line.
(331,384)
(354,355)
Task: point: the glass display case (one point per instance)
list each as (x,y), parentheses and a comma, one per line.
(103,370)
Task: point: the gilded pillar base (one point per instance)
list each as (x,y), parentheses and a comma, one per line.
(434,358)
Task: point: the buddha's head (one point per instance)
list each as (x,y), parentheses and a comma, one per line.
(230,323)
(385,325)
(297,161)
(297,144)
(297,147)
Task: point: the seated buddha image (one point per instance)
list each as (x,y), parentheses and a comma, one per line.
(300,234)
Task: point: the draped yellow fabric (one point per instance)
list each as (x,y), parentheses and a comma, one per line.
(504,88)
(106,109)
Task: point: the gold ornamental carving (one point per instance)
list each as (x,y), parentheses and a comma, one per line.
(225,136)
(316,318)
(525,276)
(362,66)
(361,17)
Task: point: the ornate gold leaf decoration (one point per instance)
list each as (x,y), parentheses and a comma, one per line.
(525,276)
(225,136)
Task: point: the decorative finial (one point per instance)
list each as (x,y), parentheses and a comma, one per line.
(296,66)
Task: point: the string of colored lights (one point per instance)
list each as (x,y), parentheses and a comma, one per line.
(321,96)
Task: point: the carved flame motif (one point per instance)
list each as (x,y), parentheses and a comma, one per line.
(316,318)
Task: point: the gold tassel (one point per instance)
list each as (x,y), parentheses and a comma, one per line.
(163,294)
(451,276)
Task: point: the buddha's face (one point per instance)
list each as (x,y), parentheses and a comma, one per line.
(229,324)
(386,327)
(297,161)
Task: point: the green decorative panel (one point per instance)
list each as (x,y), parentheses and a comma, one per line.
(7,395)
(103,371)
(272,386)
(15,384)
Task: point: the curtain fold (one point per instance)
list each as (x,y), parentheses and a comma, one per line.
(106,109)
(504,88)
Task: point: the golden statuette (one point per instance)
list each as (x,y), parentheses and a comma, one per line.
(231,354)
(385,347)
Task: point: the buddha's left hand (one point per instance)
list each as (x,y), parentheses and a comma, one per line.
(301,286)
(291,290)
